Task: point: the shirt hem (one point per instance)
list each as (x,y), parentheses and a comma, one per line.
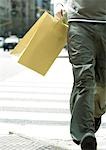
(86,20)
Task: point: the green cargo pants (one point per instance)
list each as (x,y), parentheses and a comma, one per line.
(87,53)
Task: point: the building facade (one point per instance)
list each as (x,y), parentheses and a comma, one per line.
(5,16)
(23,16)
(17,16)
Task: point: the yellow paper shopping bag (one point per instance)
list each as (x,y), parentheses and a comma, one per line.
(42,44)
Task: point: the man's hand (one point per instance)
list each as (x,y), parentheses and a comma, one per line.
(59,12)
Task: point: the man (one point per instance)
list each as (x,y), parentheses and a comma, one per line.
(87,53)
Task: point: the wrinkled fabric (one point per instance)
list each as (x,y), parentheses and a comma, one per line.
(87,53)
(87,9)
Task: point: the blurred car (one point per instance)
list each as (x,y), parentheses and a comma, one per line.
(10,42)
(1,41)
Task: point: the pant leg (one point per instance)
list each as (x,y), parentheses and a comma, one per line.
(100,71)
(82,56)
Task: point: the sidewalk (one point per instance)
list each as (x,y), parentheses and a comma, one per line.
(15,141)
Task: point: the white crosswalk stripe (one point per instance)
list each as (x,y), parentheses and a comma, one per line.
(35,104)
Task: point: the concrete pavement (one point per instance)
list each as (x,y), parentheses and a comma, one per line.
(37,108)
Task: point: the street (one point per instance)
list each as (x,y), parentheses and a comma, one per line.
(34,102)
(37,106)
